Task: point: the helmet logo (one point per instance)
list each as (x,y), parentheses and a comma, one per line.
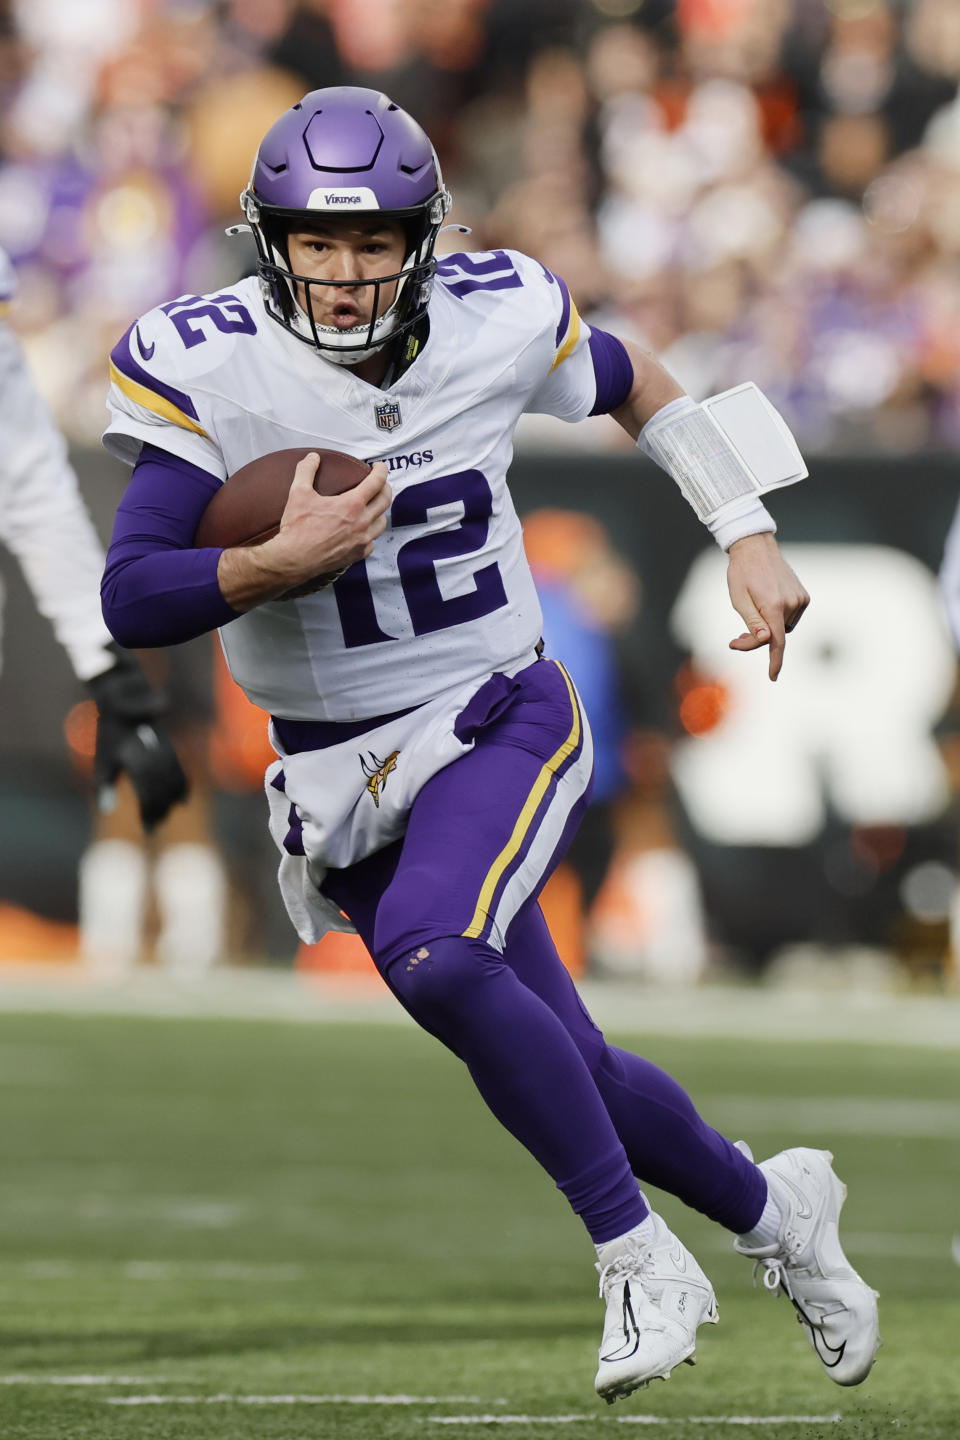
(388,415)
(357,197)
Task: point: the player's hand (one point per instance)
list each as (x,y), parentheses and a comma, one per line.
(323,535)
(130,738)
(320,536)
(766,594)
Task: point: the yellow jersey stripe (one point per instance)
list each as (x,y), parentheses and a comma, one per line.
(150,400)
(525,818)
(573,335)
(4,308)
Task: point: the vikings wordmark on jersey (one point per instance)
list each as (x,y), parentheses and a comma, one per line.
(446,594)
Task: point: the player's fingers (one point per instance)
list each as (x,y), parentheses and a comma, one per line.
(373,489)
(757,625)
(795,615)
(380,502)
(373,483)
(746,641)
(304,474)
(756,640)
(777,642)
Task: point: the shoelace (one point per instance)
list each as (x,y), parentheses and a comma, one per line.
(774,1276)
(631,1266)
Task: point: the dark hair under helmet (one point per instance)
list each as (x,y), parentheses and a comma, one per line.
(345,150)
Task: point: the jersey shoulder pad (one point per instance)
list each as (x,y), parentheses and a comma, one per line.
(483,275)
(535,299)
(555,305)
(176,348)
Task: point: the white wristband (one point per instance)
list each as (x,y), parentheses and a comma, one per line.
(744,517)
(724,454)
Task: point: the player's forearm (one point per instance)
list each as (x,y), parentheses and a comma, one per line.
(702,456)
(61,562)
(250,575)
(44,522)
(162,597)
(157,589)
(653,387)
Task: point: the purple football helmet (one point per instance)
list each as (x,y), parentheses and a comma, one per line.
(345,150)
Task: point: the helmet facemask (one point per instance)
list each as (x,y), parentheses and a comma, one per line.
(281,285)
(345,150)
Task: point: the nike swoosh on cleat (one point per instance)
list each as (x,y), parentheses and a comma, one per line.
(630,1327)
(145,351)
(805,1211)
(819,1343)
(679,1258)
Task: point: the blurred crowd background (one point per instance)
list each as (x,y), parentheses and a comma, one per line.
(756,189)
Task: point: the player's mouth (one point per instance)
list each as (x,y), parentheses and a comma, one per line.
(346,314)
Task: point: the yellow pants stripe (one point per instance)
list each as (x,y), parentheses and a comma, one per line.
(525,818)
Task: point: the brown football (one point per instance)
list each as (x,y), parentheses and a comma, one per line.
(247,508)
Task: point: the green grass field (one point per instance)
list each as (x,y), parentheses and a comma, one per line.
(216,1228)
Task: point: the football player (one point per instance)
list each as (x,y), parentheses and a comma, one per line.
(433,763)
(45,525)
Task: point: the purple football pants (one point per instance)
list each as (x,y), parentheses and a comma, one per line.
(450,916)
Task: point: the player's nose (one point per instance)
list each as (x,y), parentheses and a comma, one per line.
(351,269)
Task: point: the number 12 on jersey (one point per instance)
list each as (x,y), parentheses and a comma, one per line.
(417,563)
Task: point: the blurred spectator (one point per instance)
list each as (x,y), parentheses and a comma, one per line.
(764,189)
(626,899)
(768,187)
(587,591)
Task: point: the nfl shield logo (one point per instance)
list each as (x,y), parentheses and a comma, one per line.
(388,415)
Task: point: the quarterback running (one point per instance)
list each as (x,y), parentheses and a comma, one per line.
(432,761)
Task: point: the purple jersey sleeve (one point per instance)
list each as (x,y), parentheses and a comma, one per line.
(157,589)
(613,371)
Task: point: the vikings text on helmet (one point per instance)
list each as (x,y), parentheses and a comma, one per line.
(345,150)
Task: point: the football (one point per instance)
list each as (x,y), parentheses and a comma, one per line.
(248,507)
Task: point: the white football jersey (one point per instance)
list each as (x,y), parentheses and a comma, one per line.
(447,595)
(8,280)
(43,520)
(950,575)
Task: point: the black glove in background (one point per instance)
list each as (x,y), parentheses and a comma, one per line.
(130,740)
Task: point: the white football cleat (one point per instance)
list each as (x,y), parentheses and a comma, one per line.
(836,1307)
(656,1296)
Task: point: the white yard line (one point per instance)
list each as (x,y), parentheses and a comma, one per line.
(79,1379)
(483,1419)
(519,1419)
(241,1270)
(749,1011)
(837,1115)
(404,1400)
(225,1399)
(210,1270)
(834,1419)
